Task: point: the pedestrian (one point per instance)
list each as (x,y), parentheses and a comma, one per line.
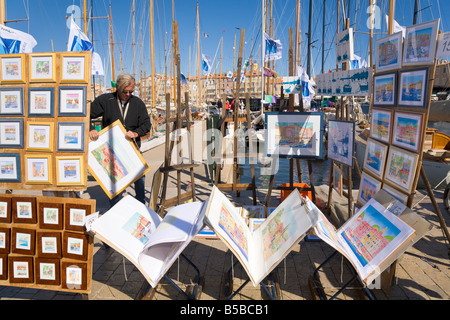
(131,111)
(227,107)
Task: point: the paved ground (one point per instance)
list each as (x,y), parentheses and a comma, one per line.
(423,272)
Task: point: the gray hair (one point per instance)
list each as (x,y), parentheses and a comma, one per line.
(124,80)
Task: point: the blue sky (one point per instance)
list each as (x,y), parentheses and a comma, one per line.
(47,24)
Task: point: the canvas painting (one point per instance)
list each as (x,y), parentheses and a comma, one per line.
(385,89)
(375,158)
(401,168)
(294,135)
(369,187)
(341,141)
(407,130)
(380,127)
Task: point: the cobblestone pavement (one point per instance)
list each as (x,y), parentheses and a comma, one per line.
(422,273)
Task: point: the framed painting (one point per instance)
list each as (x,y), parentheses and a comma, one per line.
(11,133)
(74,275)
(24,209)
(11,101)
(50,215)
(341,141)
(38,169)
(41,102)
(400,196)
(5,210)
(380,127)
(5,234)
(337,179)
(368,187)
(294,135)
(42,67)
(114,161)
(74,216)
(385,89)
(388,52)
(23,241)
(413,88)
(10,167)
(13,68)
(70,171)
(40,136)
(49,244)
(375,158)
(47,271)
(74,67)
(71,136)
(20,269)
(72,101)
(401,168)
(75,245)
(407,130)
(421,43)
(3,266)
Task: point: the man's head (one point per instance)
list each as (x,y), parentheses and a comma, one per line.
(125,86)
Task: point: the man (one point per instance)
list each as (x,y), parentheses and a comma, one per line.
(131,111)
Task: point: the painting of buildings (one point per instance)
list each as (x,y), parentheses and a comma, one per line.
(294,135)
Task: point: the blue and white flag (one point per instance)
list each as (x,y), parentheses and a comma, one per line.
(206,64)
(230,74)
(273,48)
(78,41)
(308,91)
(15,41)
(292,85)
(183,79)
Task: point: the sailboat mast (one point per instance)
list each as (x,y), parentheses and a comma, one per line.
(263,49)
(152,54)
(309,38)
(112,46)
(198,59)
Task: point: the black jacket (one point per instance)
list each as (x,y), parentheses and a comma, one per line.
(136,120)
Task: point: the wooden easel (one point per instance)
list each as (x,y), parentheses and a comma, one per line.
(167,167)
(235,186)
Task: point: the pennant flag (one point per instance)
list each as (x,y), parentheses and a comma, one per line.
(273,48)
(78,41)
(15,41)
(183,79)
(206,64)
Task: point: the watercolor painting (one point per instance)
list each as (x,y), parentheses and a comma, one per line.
(234,231)
(381,125)
(139,227)
(407,130)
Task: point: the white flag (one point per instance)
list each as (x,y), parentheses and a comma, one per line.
(15,41)
(397,27)
(273,48)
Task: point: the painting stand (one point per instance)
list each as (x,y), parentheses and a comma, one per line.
(272,288)
(317,289)
(193,292)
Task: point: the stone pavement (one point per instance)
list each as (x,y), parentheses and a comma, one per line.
(423,271)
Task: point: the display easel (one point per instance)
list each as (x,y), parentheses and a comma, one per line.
(235,186)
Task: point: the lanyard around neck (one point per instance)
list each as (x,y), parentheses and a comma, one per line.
(124,114)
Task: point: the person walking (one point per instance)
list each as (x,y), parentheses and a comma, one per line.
(131,111)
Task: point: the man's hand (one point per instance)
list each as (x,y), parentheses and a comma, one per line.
(131,135)
(93,135)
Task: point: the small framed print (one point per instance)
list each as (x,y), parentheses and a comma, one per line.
(38,169)
(74,275)
(50,215)
(71,136)
(388,52)
(413,88)
(74,216)
(401,168)
(368,187)
(3,266)
(20,269)
(4,240)
(375,158)
(5,210)
(10,168)
(407,130)
(385,89)
(11,101)
(69,171)
(42,67)
(40,136)
(24,209)
(11,133)
(41,102)
(13,68)
(381,124)
(23,241)
(47,271)
(74,67)
(49,244)
(75,245)
(72,101)
(400,196)
(420,43)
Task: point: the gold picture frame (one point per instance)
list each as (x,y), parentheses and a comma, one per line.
(74,67)
(42,67)
(70,171)
(12,68)
(38,169)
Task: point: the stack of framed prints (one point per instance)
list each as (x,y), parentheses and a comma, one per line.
(43,120)
(43,243)
(403,79)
